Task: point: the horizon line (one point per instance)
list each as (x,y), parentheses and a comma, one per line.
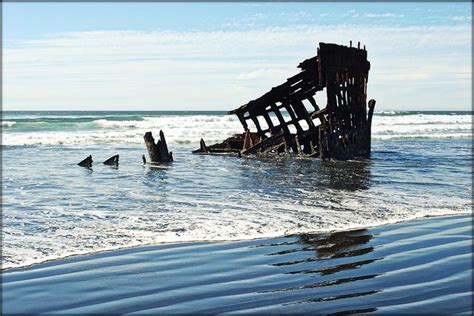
(181,110)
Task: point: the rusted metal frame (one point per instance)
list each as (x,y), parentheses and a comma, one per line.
(294,120)
(331,106)
(348,104)
(296,100)
(345,110)
(351,103)
(257,125)
(268,120)
(243,121)
(303,85)
(302,113)
(335,114)
(361,100)
(347,96)
(299,108)
(296,77)
(371,112)
(313,103)
(284,126)
(359,104)
(308,63)
(363,83)
(276,110)
(316,112)
(341,107)
(275,93)
(295,86)
(272,141)
(354,102)
(248,142)
(319,114)
(260,131)
(305,91)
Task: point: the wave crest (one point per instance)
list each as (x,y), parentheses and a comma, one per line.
(186,129)
(7,123)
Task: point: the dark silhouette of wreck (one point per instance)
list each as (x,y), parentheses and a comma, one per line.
(340,129)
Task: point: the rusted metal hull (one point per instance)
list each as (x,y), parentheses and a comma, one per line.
(339,130)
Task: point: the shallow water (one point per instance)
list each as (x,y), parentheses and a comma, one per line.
(420,166)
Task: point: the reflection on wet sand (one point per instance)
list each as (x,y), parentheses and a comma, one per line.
(331,245)
(353,311)
(326,248)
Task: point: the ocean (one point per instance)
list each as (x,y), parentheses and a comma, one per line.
(421,166)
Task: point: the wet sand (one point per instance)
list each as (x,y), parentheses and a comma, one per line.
(421,266)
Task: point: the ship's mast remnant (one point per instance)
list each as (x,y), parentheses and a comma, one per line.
(340,129)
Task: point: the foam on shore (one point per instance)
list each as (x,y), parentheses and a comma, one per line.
(422,266)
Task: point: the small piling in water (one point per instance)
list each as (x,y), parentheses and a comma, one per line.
(86,162)
(112,161)
(157,152)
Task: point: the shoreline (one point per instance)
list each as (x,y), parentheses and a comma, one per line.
(420,266)
(131,247)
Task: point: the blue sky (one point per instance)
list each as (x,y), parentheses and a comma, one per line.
(217,56)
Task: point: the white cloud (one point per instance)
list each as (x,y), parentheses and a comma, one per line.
(404,76)
(262,73)
(207,70)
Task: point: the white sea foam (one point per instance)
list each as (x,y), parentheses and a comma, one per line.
(213,128)
(96,229)
(7,123)
(178,129)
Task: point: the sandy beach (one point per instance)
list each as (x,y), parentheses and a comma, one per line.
(420,266)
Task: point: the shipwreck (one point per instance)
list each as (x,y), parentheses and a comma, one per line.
(339,129)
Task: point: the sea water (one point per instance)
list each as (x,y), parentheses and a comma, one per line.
(52,208)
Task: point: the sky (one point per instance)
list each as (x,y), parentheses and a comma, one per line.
(218,56)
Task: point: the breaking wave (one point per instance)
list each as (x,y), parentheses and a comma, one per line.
(184,129)
(8,123)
